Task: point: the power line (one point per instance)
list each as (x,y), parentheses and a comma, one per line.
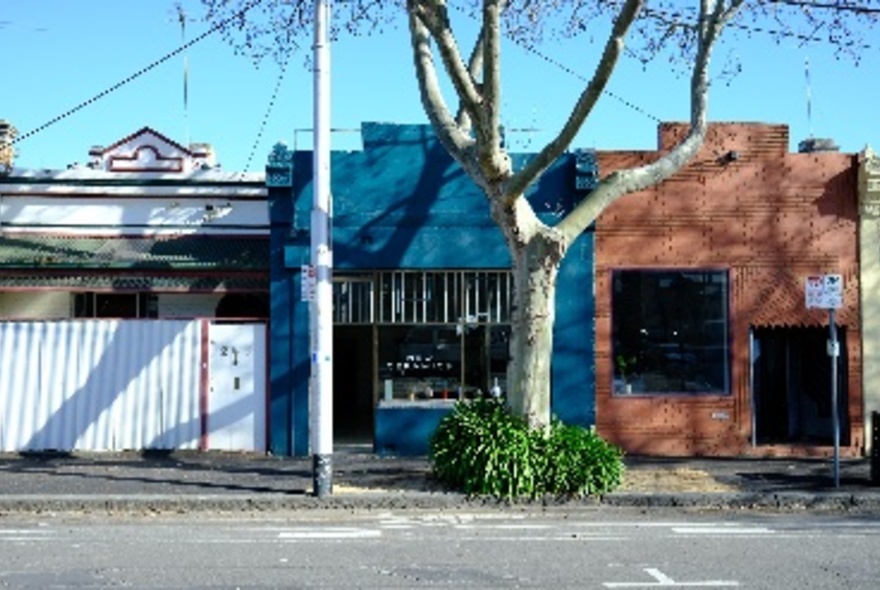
(568,70)
(531,49)
(840,7)
(269,108)
(136,75)
(681,18)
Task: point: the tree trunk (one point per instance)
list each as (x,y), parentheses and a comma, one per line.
(537,251)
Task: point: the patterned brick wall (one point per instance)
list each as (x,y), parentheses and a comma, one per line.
(767,216)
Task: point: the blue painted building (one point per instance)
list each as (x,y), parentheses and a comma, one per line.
(422,291)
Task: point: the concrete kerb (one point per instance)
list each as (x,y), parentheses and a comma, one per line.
(778,501)
(367,501)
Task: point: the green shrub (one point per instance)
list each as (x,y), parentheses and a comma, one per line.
(580,462)
(482,449)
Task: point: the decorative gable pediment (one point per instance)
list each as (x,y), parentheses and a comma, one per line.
(149,151)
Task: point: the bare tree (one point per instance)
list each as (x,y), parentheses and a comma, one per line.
(470,127)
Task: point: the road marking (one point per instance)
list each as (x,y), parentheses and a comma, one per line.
(720,530)
(28,535)
(505,527)
(330,533)
(665,581)
(533,539)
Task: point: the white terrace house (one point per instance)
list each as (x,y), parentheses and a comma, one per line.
(113,274)
(144,228)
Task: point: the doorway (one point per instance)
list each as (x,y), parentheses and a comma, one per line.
(791,386)
(353,384)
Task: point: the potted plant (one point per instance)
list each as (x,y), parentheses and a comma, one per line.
(625,366)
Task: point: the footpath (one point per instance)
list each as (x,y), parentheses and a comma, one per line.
(231,482)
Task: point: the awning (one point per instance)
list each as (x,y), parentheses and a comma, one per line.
(189,252)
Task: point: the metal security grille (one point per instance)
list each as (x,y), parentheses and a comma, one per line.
(423,297)
(353,299)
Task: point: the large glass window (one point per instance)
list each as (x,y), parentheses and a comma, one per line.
(418,362)
(438,333)
(670,331)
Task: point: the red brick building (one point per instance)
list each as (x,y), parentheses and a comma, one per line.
(704,344)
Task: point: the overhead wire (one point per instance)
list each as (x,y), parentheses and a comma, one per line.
(248,6)
(269,108)
(552,61)
(838,6)
(528,47)
(570,71)
(680,16)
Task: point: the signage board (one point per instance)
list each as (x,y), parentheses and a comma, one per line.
(308,283)
(824,291)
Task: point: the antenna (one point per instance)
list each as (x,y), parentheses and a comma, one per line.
(807,77)
(809,96)
(182,20)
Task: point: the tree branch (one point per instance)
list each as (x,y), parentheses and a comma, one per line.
(489,128)
(475,68)
(450,135)
(713,16)
(613,49)
(433,15)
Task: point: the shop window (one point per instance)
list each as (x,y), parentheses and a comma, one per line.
(670,331)
(439,333)
(446,362)
(115,305)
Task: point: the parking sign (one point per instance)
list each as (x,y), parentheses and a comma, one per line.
(824,291)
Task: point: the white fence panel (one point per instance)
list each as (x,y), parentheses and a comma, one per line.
(99,385)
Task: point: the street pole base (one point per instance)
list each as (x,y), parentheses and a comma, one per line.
(322,469)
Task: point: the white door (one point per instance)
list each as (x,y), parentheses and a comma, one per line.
(236,412)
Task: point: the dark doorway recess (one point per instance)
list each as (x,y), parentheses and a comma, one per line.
(791,386)
(353,398)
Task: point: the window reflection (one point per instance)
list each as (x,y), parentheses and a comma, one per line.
(439,333)
(445,362)
(670,331)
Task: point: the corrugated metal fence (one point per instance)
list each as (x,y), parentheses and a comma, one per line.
(106,385)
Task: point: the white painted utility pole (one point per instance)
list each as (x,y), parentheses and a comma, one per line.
(321,312)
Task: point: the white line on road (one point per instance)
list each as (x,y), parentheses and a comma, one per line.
(665,581)
(511,527)
(26,535)
(530,539)
(720,530)
(330,533)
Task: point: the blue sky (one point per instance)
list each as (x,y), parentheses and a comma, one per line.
(60,53)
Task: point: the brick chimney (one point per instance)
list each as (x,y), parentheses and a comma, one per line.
(7,152)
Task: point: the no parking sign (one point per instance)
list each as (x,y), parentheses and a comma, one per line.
(824,291)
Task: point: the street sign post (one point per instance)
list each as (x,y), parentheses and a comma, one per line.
(826,292)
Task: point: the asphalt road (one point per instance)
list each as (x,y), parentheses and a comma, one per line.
(598,548)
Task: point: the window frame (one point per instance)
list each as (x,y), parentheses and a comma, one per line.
(86,304)
(618,388)
(476,305)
